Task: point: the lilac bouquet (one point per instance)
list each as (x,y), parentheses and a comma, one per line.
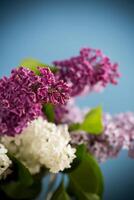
(42,131)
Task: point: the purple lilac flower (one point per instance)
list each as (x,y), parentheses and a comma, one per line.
(22,96)
(105,146)
(69,113)
(90,71)
(125,121)
(118,132)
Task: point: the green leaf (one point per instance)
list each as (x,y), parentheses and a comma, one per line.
(23,174)
(92,122)
(89,196)
(60,194)
(80,152)
(22,185)
(48,110)
(86,179)
(32,64)
(80,194)
(74,127)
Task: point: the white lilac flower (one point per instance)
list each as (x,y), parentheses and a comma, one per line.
(42,144)
(5,162)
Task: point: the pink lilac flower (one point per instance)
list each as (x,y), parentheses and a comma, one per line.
(105,146)
(125,121)
(118,133)
(69,113)
(90,71)
(22,96)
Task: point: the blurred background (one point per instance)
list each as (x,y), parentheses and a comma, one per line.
(50,30)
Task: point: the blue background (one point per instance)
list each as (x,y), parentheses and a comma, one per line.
(50,30)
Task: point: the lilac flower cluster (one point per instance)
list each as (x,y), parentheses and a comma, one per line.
(22,96)
(118,132)
(69,113)
(125,121)
(89,71)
